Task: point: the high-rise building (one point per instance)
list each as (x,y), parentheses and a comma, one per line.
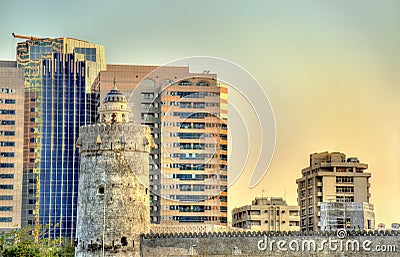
(58,75)
(11,143)
(267,214)
(332,178)
(187,113)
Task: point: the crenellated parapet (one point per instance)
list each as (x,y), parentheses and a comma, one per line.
(361,233)
(105,137)
(264,243)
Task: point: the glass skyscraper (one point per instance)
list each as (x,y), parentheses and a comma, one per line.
(58,75)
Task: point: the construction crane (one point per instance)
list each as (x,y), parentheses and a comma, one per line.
(24,37)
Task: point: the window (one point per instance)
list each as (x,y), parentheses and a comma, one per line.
(6,186)
(341,179)
(6,154)
(8,122)
(198,105)
(124,242)
(90,53)
(203,84)
(7,101)
(6,176)
(6,165)
(344,189)
(346,199)
(147,96)
(146,106)
(5,219)
(7,90)
(6,208)
(100,190)
(7,111)
(184,83)
(147,116)
(6,197)
(7,133)
(7,143)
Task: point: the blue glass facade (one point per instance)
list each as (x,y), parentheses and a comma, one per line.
(57,102)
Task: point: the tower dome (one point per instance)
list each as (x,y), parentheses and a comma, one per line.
(114,96)
(114,108)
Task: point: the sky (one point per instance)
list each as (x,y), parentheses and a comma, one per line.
(329,69)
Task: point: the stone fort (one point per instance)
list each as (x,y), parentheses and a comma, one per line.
(113,206)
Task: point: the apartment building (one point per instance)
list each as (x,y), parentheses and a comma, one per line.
(267,214)
(187,113)
(331,177)
(11,144)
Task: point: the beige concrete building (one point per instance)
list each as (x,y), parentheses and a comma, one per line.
(267,214)
(187,114)
(331,178)
(11,143)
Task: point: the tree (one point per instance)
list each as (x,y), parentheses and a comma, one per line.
(21,242)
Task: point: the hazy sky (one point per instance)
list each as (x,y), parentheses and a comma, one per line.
(329,68)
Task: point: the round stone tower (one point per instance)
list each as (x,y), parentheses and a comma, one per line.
(113,200)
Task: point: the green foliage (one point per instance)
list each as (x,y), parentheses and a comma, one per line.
(21,242)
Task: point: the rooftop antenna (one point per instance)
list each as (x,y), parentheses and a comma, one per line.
(114,83)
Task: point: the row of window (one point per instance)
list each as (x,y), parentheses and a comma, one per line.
(147,96)
(188,208)
(197,198)
(188,83)
(5,176)
(344,189)
(7,133)
(6,186)
(186,166)
(340,179)
(193,176)
(190,94)
(191,115)
(7,111)
(147,106)
(7,122)
(194,218)
(6,208)
(6,165)
(347,199)
(7,101)
(192,156)
(195,105)
(194,125)
(6,197)
(187,104)
(189,187)
(5,219)
(190,135)
(7,90)
(6,154)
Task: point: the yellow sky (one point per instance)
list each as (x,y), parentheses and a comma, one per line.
(329,68)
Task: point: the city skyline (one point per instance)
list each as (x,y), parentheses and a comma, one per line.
(329,72)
